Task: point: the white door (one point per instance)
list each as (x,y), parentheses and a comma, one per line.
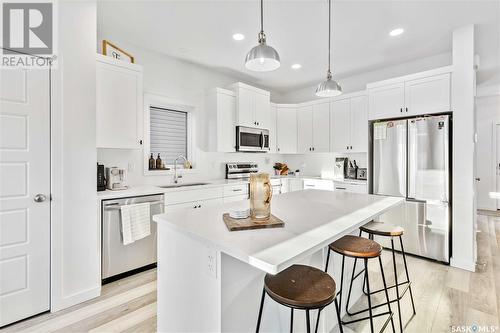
(339,125)
(321,128)
(286,124)
(24,193)
(428,95)
(387,101)
(119,106)
(262,110)
(359,124)
(245,108)
(305,129)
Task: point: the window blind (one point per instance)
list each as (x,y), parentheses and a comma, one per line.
(168,134)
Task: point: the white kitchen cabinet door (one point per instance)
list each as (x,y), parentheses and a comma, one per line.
(387,101)
(194,204)
(272,128)
(305,129)
(286,121)
(221,120)
(262,110)
(428,95)
(245,107)
(321,128)
(340,125)
(118,105)
(359,124)
(235,198)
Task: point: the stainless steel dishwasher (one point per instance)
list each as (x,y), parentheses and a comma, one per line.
(120,260)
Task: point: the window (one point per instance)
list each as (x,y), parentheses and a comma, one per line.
(168,133)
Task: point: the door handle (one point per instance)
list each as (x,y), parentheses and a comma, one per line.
(39,198)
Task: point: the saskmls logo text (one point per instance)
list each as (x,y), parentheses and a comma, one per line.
(27,34)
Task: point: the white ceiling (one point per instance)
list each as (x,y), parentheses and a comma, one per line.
(201,32)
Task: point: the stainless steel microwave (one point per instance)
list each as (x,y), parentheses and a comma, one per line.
(252,139)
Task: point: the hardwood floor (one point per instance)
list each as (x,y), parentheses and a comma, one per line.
(444,297)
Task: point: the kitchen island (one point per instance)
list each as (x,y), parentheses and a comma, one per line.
(211,280)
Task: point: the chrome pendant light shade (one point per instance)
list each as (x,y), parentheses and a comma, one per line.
(262,58)
(329,87)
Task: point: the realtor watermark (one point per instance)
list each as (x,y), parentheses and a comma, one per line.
(474,328)
(28,34)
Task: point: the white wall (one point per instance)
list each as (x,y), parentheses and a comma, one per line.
(186,82)
(75,249)
(488,115)
(358,82)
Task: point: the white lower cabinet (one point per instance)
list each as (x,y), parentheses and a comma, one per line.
(195,204)
(318,184)
(351,187)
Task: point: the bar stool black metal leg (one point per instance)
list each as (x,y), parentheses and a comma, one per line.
(339,319)
(407,275)
(369,296)
(396,284)
(260,310)
(308,323)
(317,321)
(350,287)
(386,294)
(291,320)
(327,260)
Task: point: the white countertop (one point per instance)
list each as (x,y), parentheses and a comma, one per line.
(495,195)
(137,190)
(313,219)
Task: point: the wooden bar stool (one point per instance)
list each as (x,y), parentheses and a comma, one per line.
(387,230)
(365,249)
(300,287)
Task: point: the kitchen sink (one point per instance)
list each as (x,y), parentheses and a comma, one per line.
(183,185)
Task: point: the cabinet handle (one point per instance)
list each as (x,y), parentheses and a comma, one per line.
(140,142)
(278,149)
(199,206)
(313,148)
(340,188)
(237,190)
(350,147)
(194,207)
(406,109)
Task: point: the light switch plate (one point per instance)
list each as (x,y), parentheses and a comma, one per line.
(211,262)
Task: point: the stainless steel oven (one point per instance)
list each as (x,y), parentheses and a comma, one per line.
(252,139)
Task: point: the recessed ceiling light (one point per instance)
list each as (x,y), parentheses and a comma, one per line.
(396,32)
(238,36)
(296,66)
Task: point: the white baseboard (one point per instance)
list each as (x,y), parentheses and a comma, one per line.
(76,298)
(463,264)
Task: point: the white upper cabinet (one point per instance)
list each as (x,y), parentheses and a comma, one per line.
(119,104)
(272,128)
(428,95)
(252,106)
(340,125)
(387,101)
(313,133)
(221,114)
(349,124)
(321,128)
(304,129)
(417,94)
(359,124)
(286,129)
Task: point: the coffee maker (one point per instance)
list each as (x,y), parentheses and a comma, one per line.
(116,178)
(340,168)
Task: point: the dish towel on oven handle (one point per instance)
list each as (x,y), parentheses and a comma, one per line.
(135,222)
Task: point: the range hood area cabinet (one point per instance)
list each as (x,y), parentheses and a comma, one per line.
(220,107)
(119,104)
(422,93)
(349,124)
(313,134)
(252,106)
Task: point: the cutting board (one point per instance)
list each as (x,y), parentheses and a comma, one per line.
(249,224)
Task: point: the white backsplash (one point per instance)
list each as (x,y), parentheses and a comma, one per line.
(321,163)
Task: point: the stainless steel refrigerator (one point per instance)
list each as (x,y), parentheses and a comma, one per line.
(411,159)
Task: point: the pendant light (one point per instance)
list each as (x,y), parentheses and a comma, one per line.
(329,87)
(262,58)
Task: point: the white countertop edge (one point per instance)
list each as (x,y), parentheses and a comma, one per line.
(345,225)
(495,195)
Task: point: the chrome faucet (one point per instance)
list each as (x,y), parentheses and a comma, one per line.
(176,177)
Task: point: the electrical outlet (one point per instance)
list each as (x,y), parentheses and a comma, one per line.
(211,262)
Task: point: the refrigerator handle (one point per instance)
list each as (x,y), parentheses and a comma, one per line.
(411,158)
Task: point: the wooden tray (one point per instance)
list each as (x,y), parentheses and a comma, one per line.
(249,224)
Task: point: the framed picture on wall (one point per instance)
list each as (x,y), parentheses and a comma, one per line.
(111,50)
